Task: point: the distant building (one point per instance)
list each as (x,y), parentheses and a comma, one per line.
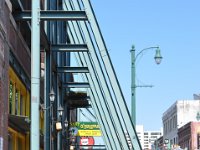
(147,138)
(189,136)
(140,134)
(180,113)
(159,144)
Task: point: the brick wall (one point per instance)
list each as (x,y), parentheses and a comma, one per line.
(19,48)
(4,64)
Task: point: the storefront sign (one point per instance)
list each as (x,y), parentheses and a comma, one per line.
(85,129)
(87,141)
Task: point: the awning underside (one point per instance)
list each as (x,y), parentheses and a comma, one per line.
(19,123)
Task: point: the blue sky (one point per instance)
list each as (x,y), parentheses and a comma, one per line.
(174,25)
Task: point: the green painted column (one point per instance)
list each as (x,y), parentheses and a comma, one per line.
(35,75)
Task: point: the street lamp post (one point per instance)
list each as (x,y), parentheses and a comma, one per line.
(134,57)
(48,110)
(59,127)
(52,99)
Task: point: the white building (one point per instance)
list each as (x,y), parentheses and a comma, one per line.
(180,113)
(140,134)
(147,138)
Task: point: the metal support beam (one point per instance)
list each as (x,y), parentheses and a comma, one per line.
(107,91)
(47,83)
(53,15)
(76,85)
(66,69)
(112,78)
(110,133)
(69,48)
(47,121)
(35,76)
(96,95)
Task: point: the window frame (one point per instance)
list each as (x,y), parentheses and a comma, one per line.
(22,105)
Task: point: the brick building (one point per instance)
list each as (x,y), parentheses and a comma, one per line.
(4,65)
(15,62)
(189,136)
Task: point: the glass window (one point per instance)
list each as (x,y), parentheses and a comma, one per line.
(155,133)
(16,101)
(21,105)
(10,97)
(19,99)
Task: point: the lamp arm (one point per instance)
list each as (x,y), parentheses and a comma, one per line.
(153,47)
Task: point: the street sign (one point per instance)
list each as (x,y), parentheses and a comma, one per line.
(85,129)
(87,141)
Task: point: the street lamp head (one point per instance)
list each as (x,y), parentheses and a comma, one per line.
(60,110)
(52,96)
(158,56)
(66,123)
(133,48)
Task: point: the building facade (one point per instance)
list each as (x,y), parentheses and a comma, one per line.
(147,138)
(15,62)
(180,113)
(140,134)
(189,136)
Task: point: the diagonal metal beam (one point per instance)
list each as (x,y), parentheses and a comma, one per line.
(107,124)
(67,69)
(53,15)
(96,100)
(120,100)
(76,85)
(69,48)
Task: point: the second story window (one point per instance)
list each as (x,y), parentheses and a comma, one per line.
(19,101)
(16,101)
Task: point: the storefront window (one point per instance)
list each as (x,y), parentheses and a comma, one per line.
(16,140)
(20,142)
(10,141)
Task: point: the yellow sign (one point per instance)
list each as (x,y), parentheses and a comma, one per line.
(89,133)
